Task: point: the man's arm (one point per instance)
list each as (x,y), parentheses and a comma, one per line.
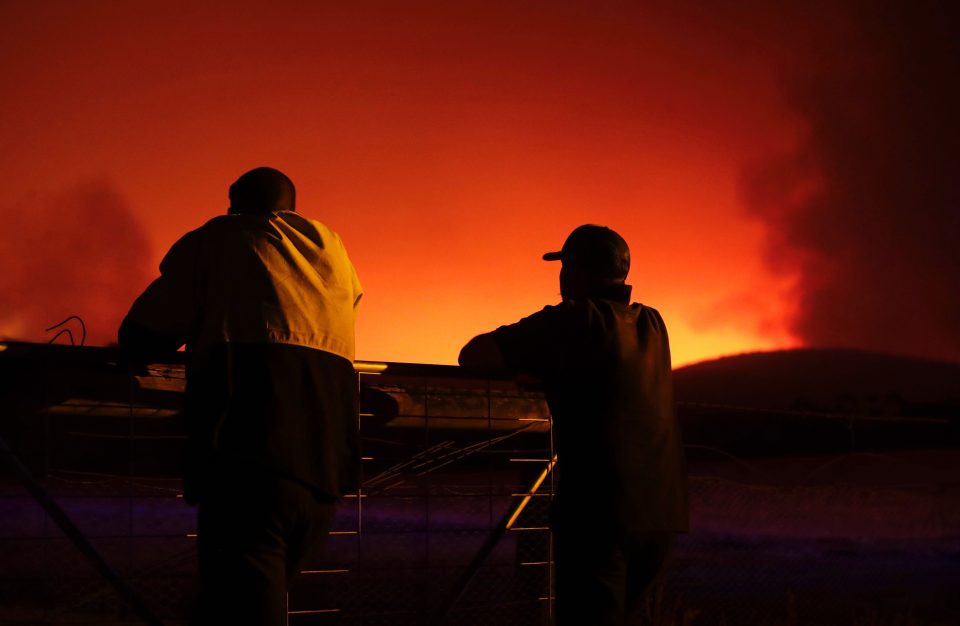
(165,315)
(531,347)
(482,353)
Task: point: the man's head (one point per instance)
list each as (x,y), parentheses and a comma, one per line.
(262,191)
(594,257)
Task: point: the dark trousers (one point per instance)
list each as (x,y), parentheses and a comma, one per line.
(603,579)
(253,537)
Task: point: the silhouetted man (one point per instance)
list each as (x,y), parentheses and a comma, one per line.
(605,367)
(265,300)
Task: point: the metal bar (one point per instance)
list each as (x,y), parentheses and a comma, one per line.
(533,490)
(506,521)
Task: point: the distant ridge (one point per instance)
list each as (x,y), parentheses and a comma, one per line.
(844,380)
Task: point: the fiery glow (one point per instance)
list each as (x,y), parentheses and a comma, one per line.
(450,144)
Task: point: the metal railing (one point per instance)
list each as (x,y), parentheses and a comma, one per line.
(797,516)
(448,461)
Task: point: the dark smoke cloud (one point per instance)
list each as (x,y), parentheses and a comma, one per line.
(865,212)
(80,253)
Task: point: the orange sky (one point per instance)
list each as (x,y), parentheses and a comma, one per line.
(450,144)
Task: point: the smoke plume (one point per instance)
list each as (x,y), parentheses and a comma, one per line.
(80,253)
(865,213)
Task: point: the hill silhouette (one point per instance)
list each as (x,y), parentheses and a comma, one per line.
(830,380)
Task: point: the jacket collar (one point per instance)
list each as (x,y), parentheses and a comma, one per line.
(619,292)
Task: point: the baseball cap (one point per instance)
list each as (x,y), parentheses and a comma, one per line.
(596,249)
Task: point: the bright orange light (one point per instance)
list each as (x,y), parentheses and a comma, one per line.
(449,154)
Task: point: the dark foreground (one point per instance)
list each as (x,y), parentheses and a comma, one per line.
(858,539)
(837,509)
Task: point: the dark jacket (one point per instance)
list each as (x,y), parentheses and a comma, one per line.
(605,366)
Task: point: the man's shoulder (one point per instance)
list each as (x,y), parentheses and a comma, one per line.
(320,234)
(227,226)
(300,221)
(554,322)
(648,312)
(587,311)
(579,311)
(556,313)
(213,228)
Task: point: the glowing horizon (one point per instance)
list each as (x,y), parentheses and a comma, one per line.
(449,146)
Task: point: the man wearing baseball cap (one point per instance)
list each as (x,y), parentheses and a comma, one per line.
(605,367)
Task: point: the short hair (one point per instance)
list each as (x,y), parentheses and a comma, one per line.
(262,191)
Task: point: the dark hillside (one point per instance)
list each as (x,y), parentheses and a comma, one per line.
(837,381)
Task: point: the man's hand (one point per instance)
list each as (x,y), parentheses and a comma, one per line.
(141,345)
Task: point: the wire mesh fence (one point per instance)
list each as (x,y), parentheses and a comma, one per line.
(450,525)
